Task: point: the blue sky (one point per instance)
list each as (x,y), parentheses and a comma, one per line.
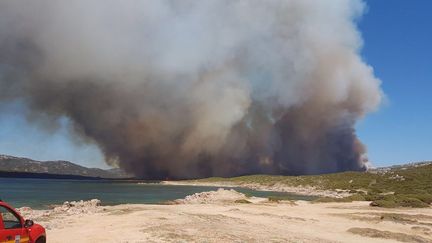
(397,44)
(20,137)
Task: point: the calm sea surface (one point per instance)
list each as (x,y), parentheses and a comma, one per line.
(40,193)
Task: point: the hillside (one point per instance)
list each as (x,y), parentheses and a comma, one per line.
(17,165)
(403,185)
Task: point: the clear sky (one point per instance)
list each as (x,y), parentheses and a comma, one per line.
(397,43)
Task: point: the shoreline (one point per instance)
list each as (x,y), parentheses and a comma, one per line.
(300,190)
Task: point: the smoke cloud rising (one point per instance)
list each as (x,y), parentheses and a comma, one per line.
(192,88)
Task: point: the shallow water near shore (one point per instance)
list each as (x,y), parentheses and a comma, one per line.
(40,193)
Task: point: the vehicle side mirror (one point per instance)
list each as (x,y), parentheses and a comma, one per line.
(28,223)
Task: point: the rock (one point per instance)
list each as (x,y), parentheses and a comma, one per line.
(374,204)
(67,204)
(219,196)
(78,207)
(54,218)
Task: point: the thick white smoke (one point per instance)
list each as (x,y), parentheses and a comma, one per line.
(188,88)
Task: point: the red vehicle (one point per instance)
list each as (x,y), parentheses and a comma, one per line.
(14,229)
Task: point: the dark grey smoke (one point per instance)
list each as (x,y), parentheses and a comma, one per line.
(189,88)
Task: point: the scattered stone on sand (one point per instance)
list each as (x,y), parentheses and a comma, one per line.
(219,196)
(90,206)
(401,237)
(52,218)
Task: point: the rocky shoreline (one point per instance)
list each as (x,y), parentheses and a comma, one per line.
(53,218)
(300,190)
(78,208)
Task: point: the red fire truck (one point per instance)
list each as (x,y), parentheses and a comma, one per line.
(14,229)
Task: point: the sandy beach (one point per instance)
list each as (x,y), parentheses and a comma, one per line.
(220,217)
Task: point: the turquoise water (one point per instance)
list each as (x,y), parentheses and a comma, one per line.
(40,193)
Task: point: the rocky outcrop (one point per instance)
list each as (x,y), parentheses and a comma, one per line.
(219,196)
(53,217)
(70,208)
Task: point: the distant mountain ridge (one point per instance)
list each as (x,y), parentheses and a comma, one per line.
(11,166)
(59,167)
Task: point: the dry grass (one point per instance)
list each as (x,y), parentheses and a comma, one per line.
(374,233)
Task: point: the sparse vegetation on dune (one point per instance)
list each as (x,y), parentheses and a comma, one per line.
(278,198)
(374,233)
(402,186)
(242,201)
(354,197)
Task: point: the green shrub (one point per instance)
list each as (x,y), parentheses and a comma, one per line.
(355,197)
(411,202)
(274,199)
(419,191)
(388,197)
(279,198)
(371,197)
(242,201)
(384,203)
(376,190)
(327,199)
(426,198)
(400,200)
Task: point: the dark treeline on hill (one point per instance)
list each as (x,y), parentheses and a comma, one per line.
(4,174)
(27,168)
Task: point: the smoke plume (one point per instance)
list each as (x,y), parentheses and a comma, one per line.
(189,88)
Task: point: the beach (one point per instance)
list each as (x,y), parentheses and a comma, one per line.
(224,216)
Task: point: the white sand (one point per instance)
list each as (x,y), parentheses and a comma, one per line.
(225,221)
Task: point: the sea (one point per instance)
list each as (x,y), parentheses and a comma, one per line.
(43,193)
